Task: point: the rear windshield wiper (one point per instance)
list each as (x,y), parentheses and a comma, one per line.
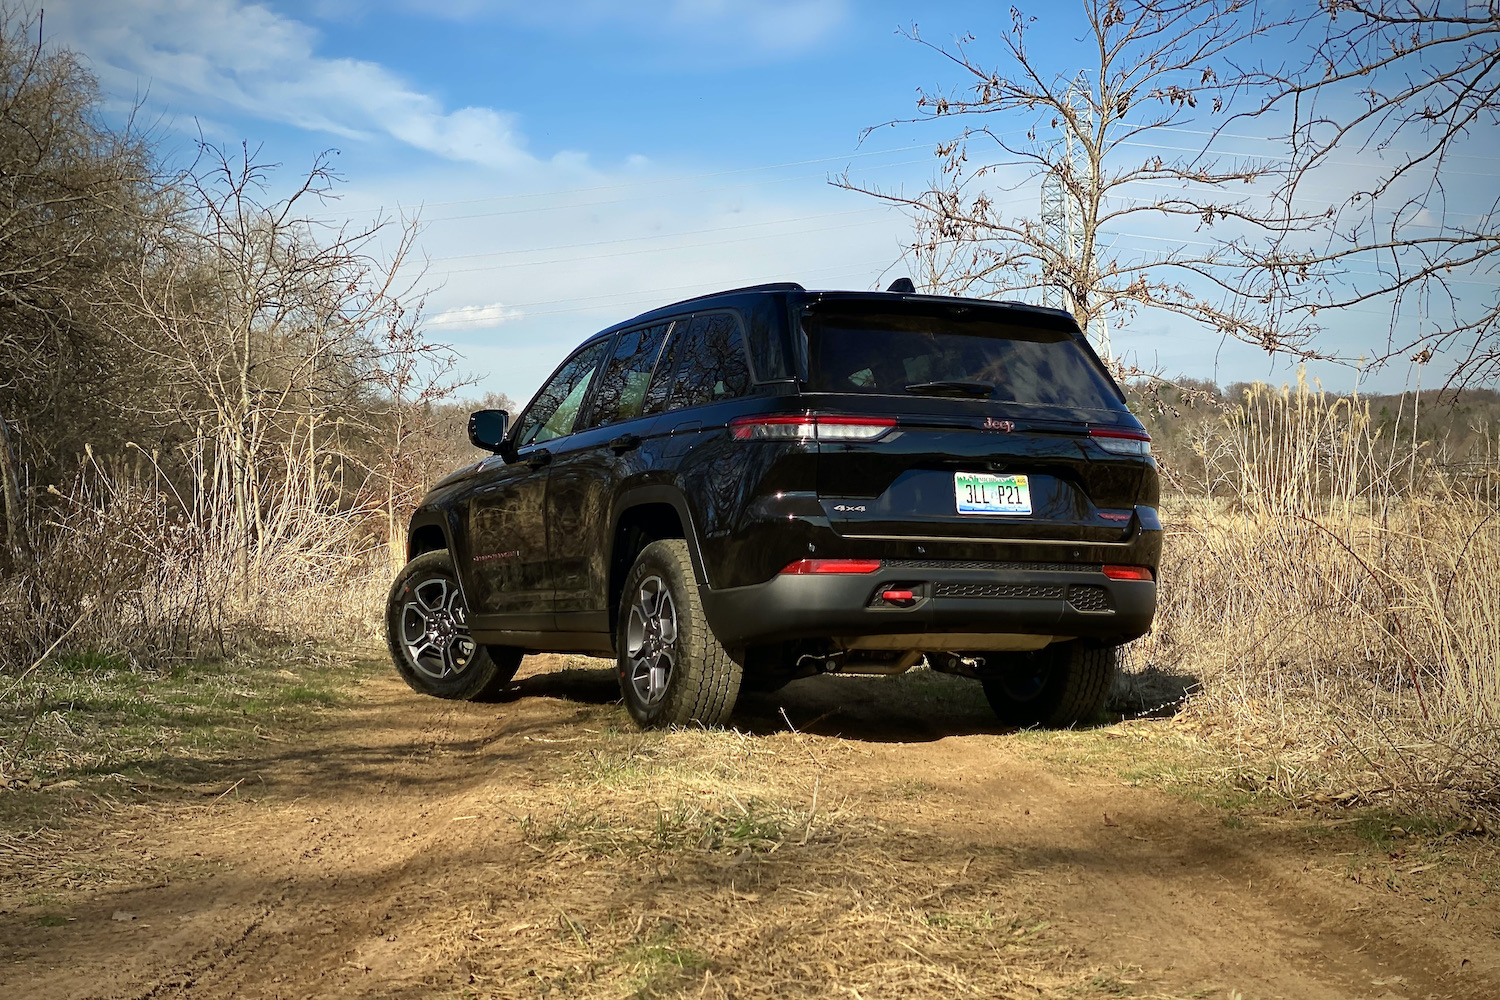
(951,388)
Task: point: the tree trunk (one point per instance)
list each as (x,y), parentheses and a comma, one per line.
(18,546)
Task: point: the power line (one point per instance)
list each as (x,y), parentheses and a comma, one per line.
(687,246)
(626,298)
(658,236)
(641,199)
(650,182)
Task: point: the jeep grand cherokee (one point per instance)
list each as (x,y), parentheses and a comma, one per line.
(753,486)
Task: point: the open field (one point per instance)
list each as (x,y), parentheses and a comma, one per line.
(858,837)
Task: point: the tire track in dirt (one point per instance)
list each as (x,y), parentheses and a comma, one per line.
(385,856)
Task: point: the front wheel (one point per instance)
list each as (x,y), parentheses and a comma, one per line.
(427,630)
(1062,685)
(673,671)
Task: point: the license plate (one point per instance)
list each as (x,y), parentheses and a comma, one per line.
(982,493)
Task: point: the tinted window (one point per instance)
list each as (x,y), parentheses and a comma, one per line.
(555,408)
(661,382)
(622,387)
(712,365)
(886,353)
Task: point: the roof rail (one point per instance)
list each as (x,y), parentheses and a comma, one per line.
(773,286)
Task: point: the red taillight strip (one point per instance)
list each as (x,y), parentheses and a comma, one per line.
(808,567)
(1128,573)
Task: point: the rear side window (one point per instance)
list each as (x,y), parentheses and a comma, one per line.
(893,354)
(622,388)
(711,361)
(666,369)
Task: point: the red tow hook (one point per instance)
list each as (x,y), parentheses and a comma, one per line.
(898,597)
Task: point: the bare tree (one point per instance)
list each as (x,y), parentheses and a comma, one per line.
(413,376)
(73,193)
(266,328)
(1391,123)
(1125,151)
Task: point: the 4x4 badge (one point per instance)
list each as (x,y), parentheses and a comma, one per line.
(991,424)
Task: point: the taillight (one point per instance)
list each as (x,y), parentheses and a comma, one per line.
(809,567)
(1121,441)
(810,426)
(1128,573)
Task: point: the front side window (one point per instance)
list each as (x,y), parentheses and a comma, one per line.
(622,387)
(555,409)
(712,365)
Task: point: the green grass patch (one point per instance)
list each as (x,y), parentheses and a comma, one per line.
(755,826)
(659,965)
(1385,829)
(91,714)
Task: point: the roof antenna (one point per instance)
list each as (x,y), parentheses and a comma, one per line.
(903,286)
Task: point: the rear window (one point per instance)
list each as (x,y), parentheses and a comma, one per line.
(892,353)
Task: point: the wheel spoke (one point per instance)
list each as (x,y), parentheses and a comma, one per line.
(414,622)
(667,619)
(432,594)
(648,599)
(635,632)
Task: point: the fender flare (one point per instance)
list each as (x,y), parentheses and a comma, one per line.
(674,498)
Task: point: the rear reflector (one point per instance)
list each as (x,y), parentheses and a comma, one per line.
(1121,440)
(1128,573)
(810,426)
(808,567)
(898,597)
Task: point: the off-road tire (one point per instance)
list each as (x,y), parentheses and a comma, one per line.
(704,678)
(1062,685)
(484,674)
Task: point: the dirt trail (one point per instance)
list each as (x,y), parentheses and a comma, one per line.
(538,847)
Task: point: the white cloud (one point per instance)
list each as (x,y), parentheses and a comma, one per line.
(475,317)
(772,26)
(220,55)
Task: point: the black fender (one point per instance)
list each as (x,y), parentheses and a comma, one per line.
(673,497)
(425,522)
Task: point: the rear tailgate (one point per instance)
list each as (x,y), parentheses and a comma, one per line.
(996,425)
(916,480)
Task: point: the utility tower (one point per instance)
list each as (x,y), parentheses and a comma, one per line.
(1062,222)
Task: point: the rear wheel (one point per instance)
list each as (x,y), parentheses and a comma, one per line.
(672,669)
(1063,685)
(427,630)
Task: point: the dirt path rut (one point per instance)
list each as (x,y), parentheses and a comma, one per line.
(858,838)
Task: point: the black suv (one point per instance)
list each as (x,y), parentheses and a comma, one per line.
(754,486)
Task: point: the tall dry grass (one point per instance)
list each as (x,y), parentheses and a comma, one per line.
(129,563)
(1336,591)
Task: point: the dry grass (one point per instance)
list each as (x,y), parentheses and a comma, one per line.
(128,566)
(717,864)
(1331,590)
(1335,595)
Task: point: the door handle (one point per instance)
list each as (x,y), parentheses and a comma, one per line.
(539,458)
(625,442)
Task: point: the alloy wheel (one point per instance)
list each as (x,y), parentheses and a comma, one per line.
(651,640)
(435,629)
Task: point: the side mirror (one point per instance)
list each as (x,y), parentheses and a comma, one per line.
(487,429)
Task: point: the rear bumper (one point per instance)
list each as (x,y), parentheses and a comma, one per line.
(957,606)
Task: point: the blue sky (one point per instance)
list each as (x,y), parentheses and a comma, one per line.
(580,161)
